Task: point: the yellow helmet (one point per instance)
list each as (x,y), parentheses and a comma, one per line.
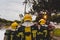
(45,16)
(42,21)
(27,17)
(14,25)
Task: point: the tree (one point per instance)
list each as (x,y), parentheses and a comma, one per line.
(5,22)
(43,5)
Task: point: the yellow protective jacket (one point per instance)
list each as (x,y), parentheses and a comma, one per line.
(27,31)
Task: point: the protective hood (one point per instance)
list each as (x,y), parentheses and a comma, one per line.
(27,24)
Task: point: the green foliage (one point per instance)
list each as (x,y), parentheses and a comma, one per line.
(17,21)
(55,18)
(57,32)
(5,22)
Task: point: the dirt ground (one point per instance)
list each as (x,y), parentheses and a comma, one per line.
(56,38)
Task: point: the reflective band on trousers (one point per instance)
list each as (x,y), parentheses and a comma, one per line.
(21,33)
(11,37)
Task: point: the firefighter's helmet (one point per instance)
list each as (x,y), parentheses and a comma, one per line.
(27,17)
(14,25)
(42,21)
(45,16)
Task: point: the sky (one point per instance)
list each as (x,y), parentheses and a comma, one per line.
(10,9)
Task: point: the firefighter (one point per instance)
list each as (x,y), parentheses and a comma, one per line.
(42,30)
(10,33)
(34,31)
(20,33)
(27,29)
(51,27)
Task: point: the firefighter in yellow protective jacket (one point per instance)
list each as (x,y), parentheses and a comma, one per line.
(27,31)
(42,30)
(10,33)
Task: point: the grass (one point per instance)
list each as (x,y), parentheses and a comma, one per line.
(6,26)
(57,32)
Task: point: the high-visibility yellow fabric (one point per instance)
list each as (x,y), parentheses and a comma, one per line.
(28,37)
(27,29)
(34,33)
(21,33)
